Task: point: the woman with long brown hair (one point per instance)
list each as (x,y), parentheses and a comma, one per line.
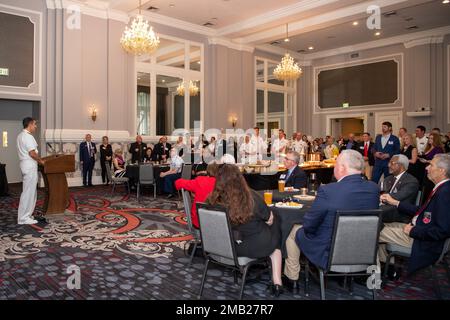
(433,147)
(256,230)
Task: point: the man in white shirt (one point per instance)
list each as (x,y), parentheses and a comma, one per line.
(247,151)
(259,144)
(279,145)
(27,148)
(421,139)
(300,146)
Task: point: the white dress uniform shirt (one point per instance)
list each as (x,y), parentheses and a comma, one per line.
(260,146)
(248,153)
(28,166)
(176,163)
(421,144)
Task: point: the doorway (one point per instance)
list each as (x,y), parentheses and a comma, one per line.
(343,125)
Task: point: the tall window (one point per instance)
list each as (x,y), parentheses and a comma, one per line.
(170,88)
(275,99)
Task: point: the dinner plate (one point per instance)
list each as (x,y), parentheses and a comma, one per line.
(289,189)
(287,206)
(305,197)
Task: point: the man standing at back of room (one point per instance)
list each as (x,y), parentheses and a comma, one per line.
(29,160)
(386,146)
(87,159)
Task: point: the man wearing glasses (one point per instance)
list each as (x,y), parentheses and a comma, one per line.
(294,175)
(401,186)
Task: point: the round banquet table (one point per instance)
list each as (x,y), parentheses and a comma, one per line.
(269,180)
(287,216)
(132,172)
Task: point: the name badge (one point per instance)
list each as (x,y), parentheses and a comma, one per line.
(426,217)
(391,142)
(361,148)
(137,150)
(283,176)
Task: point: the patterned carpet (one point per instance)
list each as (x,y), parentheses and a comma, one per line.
(131,250)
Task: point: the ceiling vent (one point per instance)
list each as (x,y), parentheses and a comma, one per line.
(153,9)
(354,55)
(412,28)
(301,51)
(208,24)
(275,43)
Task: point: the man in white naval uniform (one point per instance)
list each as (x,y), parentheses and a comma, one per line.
(279,146)
(29,160)
(247,151)
(259,144)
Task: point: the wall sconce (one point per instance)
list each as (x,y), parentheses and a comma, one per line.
(93,113)
(233,120)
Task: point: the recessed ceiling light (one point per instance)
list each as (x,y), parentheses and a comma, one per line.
(446,1)
(286,40)
(198,62)
(163,80)
(355,23)
(172,5)
(311,48)
(377,34)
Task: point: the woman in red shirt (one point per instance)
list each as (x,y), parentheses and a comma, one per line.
(201,187)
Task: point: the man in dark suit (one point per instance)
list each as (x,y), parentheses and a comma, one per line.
(401,185)
(386,146)
(430,226)
(365,147)
(161,151)
(350,143)
(294,176)
(87,159)
(138,150)
(313,239)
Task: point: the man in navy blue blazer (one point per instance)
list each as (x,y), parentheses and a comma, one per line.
(87,159)
(430,225)
(313,239)
(294,176)
(386,146)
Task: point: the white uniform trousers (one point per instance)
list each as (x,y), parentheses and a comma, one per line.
(29,190)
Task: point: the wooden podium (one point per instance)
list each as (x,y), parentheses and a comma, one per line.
(56,188)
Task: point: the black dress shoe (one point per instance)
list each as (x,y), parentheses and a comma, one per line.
(394,273)
(276,290)
(291,285)
(40,219)
(90,185)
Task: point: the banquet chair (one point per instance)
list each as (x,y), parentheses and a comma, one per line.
(354,247)
(395,250)
(187,203)
(186,171)
(116,180)
(219,244)
(146,178)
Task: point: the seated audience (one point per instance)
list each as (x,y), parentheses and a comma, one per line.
(447,143)
(174,173)
(255,228)
(118,163)
(294,175)
(148,154)
(313,239)
(201,187)
(401,186)
(430,224)
(350,143)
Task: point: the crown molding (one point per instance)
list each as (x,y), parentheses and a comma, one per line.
(408,40)
(299,7)
(229,44)
(177,23)
(86,9)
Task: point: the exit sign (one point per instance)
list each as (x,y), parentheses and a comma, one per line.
(4,72)
(345,105)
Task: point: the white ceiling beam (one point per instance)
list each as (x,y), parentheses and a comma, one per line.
(318,21)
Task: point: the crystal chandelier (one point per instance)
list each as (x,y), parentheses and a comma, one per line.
(287,69)
(139,38)
(193,89)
